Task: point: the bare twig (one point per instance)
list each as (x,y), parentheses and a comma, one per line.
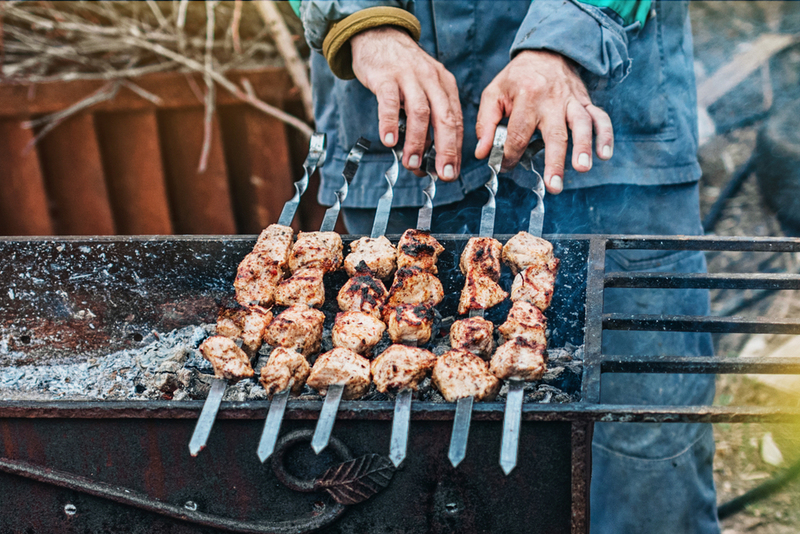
(210,93)
(283,40)
(147,95)
(237,18)
(162,20)
(181,22)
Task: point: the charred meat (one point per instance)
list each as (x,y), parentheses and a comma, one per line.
(375,256)
(535,286)
(520,359)
(341,366)
(284,367)
(263,268)
(480,292)
(305,286)
(525,321)
(229,361)
(363,293)
(298,327)
(410,323)
(473,334)
(412,285)
(321,250)
(401,367)
(244,323)
(357,331)
(525,250)
(481,256)
(418,248)
(458,374)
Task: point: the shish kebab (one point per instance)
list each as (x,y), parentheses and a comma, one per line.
(255,283)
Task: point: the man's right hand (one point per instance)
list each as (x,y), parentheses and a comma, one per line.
(389,63)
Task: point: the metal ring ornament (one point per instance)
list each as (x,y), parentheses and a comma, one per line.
(286,443)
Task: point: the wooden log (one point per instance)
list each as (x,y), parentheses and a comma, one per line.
(23,199)
(135,178)
(70,158)
(200,203)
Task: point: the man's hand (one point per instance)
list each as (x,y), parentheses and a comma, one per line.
(540,89)
(389,63)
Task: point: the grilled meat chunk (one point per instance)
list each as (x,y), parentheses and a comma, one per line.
(341,366)
(401,367)
(410,323)
(524,321)
(305,286)
(284,367)
(322,250)
(376,256)
(363,293)
(535,285)
(263,268)
(480,292)
(458,374)
(274,243)
(298,327)
(520,359)
(418,248)
(412,285)
(473,334)
(247,324)
(357,331)
(481,256)
(229,361)
(525,250)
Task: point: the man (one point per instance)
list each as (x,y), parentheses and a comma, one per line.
(610,87)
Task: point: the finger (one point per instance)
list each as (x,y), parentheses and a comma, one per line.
(388,95)
(418,114)
(603,130)
(521,125)
(446,123)
(580,124)
(554,133)
(490,113)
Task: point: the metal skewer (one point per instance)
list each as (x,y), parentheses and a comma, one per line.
(512,419)
(272,426)
(402,404)
(317,152)
(322,434)
(461,421)
(385,203)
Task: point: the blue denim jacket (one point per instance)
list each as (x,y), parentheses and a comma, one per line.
(641,76)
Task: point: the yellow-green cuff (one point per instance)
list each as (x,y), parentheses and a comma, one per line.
(336,46)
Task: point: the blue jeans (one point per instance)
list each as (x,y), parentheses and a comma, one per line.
(646,477)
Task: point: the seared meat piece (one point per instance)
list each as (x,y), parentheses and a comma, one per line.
(525,250)
(305,286)
(481,256)
(535,285)
(473,334)
(357,331)
(418,248)
(376,256)
(341,366)
(410,323)
(519,358)
(524,321)
(458,374)
(363,293)
(274,244)
(247,324)
(256,280)
(284,366)
(298,328)
(401,367)
(412,285)
(322,250)
(480,292)
(229,361)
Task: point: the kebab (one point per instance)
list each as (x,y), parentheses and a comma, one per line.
(298,329)
(257,278)
(459,374)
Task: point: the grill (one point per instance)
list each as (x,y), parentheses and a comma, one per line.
(123,466)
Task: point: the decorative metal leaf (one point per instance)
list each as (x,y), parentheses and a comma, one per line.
(357,480)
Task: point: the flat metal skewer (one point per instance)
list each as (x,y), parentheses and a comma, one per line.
(400,426)
(322,433)
(207,416)
(317,153)
(511,425)
(350,168)
(272,426)
(425,214)
(460,435)
(381,220)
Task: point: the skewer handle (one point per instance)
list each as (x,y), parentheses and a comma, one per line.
(400,423)
(316,158)
(322,434)
(458,440)
(511,426)
(207,416)
(272,426)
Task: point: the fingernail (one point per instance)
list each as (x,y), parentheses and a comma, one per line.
(607,151)
(556,183)
(449,172)
(583,160)
(388,139)
(413,161)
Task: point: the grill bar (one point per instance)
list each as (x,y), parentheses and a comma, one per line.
(703,281)
(709,243)
(699,364)
(700,323)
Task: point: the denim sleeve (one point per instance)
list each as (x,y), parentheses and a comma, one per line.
(317,15)
(584,33)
